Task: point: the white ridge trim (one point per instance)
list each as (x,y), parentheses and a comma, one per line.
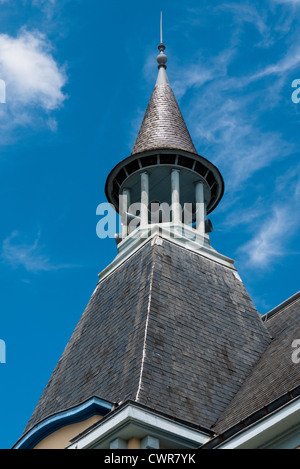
(146,330)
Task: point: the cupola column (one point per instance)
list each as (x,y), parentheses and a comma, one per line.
(124,205)
(175,188)
(144,199)
(200,208)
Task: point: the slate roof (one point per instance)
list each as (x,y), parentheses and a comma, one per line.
(163,125)
(169,329)
(275,374)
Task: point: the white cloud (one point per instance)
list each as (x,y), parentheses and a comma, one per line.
(248,13)
(198,74)
(270,242)
(47,6)
(247,217)
(271,238)
(291,2)
(30,72)
(34,80)
(37,3)
(43,2)
(229,133)
(289,62)
(29,256)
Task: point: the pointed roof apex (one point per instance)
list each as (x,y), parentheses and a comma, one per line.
(163,126)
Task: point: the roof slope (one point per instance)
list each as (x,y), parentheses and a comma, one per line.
(204,336)
(168,328)
(104,354)
(275,374)
(163,125)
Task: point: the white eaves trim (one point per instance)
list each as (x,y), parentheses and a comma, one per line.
(142,417)
(271,427)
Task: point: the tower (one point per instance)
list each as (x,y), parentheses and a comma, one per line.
(164,186)
(170,334)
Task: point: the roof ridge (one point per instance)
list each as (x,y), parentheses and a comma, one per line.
(146,324)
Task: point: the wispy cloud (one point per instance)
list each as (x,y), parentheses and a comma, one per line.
(47,6)
(271,240)
(271,236)
(43,2)
(288,2)
(27,255)
(39,3)
(230,133)
(247,14)
(195,75)
(285,65)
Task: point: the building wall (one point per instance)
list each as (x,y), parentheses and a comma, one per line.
(61,438)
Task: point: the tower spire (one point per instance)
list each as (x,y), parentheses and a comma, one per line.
(164,151)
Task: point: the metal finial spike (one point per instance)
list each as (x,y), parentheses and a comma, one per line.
(161,46)
(161,58)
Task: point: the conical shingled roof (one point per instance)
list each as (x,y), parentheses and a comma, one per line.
(163,126)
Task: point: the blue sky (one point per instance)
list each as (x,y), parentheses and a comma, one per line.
(79,75)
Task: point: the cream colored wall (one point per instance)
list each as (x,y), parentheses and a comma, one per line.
(134,443)
(61,438)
